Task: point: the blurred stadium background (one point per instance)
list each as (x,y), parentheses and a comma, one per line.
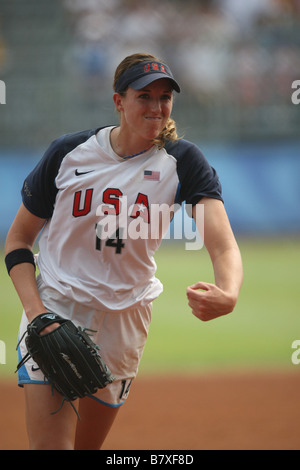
(236,62)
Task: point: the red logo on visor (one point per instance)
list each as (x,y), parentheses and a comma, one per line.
(154,66)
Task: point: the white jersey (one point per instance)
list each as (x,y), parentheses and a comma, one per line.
(98,243)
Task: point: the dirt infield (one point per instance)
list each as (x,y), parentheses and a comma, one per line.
(213,412)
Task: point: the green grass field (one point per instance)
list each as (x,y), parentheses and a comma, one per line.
(258,334)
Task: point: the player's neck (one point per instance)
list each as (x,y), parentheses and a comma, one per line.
(127,147)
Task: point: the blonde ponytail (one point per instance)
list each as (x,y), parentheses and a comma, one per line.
(168,133)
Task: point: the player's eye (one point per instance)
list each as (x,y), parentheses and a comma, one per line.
(144,96)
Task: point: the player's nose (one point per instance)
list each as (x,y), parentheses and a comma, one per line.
(155,105)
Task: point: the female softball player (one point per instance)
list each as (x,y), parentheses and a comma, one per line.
(91,200)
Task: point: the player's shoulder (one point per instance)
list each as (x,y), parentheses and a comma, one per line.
(67,142)
(183,148)
(188,156)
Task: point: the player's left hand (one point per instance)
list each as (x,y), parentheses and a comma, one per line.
(208,301)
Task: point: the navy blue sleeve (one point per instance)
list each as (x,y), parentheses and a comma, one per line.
(39,189)
(197,177)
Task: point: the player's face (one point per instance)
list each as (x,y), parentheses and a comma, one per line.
(145,112)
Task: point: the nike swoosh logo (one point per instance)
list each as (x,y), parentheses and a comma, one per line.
(33,368)
(79,173)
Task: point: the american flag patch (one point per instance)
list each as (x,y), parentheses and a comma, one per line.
(151,175)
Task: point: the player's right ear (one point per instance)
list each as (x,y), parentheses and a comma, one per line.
(118,100)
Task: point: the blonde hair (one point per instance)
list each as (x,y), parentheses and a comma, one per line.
(170,130)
